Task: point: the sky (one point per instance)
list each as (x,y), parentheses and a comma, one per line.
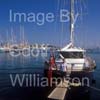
(87,31)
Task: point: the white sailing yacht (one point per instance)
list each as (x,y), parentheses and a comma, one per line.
(1,46)
(75,57)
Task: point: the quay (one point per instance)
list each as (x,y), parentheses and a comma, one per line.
(60,91)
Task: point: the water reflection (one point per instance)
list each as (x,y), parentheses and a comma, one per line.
(30,64)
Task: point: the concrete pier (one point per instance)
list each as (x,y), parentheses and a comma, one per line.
(60,91)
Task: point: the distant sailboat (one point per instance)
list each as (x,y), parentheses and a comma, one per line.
(1,45)
(5,46)
(23,46)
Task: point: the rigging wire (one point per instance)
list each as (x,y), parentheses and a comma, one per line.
(85,4)
(80,24)
(83,9)
(58,4)
(62,24)
(94,88)
(56,17)
(80,7)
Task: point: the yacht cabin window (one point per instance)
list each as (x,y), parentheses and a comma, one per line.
(72,54)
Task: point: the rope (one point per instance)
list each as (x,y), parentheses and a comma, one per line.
(94,88)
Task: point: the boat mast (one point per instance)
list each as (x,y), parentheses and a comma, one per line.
(72,22)
(23,35)
(12,38)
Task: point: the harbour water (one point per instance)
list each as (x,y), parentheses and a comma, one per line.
(29,65)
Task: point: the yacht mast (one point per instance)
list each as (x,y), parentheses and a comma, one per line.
(72,22)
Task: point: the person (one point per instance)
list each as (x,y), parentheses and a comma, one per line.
(52,62)
(48,72)
(46,68)
(64,70)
